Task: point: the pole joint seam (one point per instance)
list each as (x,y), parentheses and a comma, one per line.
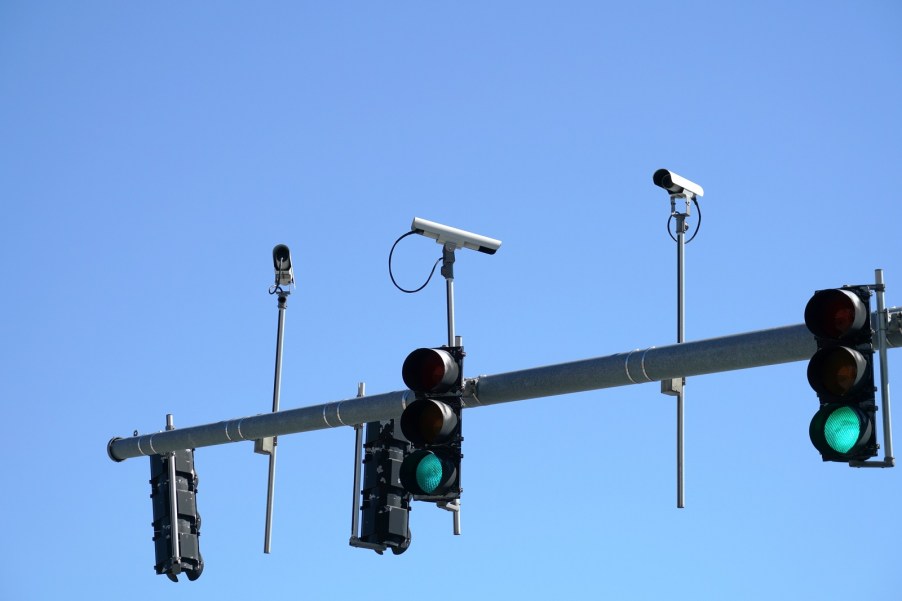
(641,366)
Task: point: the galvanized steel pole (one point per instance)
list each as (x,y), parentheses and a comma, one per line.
(276,394)
(681,337)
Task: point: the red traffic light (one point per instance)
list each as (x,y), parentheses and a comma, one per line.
(430,370)
(835,313)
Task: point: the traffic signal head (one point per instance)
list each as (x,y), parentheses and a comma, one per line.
(173,485)
(841,372)
(385,504)
(432,423)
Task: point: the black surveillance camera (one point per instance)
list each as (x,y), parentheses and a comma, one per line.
(281,261)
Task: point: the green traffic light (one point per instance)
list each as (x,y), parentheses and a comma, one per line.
(843,433)
(434,473)
(842,429)
(429,473)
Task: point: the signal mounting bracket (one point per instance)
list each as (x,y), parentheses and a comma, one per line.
(453,507)
(883,325)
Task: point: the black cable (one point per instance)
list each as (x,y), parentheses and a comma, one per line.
(697,225)
(391,252)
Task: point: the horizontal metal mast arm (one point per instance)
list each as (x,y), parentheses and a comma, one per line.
(713,355)
(305,419)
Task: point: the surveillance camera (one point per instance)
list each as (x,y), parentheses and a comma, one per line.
(675,184)
(451,235)
(281,262)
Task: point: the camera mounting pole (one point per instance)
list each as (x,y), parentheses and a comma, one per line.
(281,258)
(678,385)
(448,273)
(687,191)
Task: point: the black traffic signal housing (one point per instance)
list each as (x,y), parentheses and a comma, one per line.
(842,374)
(432,423)
(173,481)
(386,505)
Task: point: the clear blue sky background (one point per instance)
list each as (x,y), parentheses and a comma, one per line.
(153,153)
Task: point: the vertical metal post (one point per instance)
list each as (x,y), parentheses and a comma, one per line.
(173,507)
(681,337)
(277,383)
(448,273)
(356,506)
(358,458)
(882,318)
(449,287)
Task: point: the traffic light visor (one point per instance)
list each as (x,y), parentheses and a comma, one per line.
(836,370)
(430,370)
(835,313)
(428,421)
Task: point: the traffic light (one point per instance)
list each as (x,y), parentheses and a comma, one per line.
(842,373)
(173,490)
(432,424)
(386,504)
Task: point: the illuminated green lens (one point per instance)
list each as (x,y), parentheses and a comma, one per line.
(841,430)
(429,473)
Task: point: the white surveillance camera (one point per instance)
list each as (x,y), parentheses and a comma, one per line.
(444,234)
(675,184)
(281,262)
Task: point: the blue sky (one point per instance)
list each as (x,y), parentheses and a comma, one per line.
(153,154)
